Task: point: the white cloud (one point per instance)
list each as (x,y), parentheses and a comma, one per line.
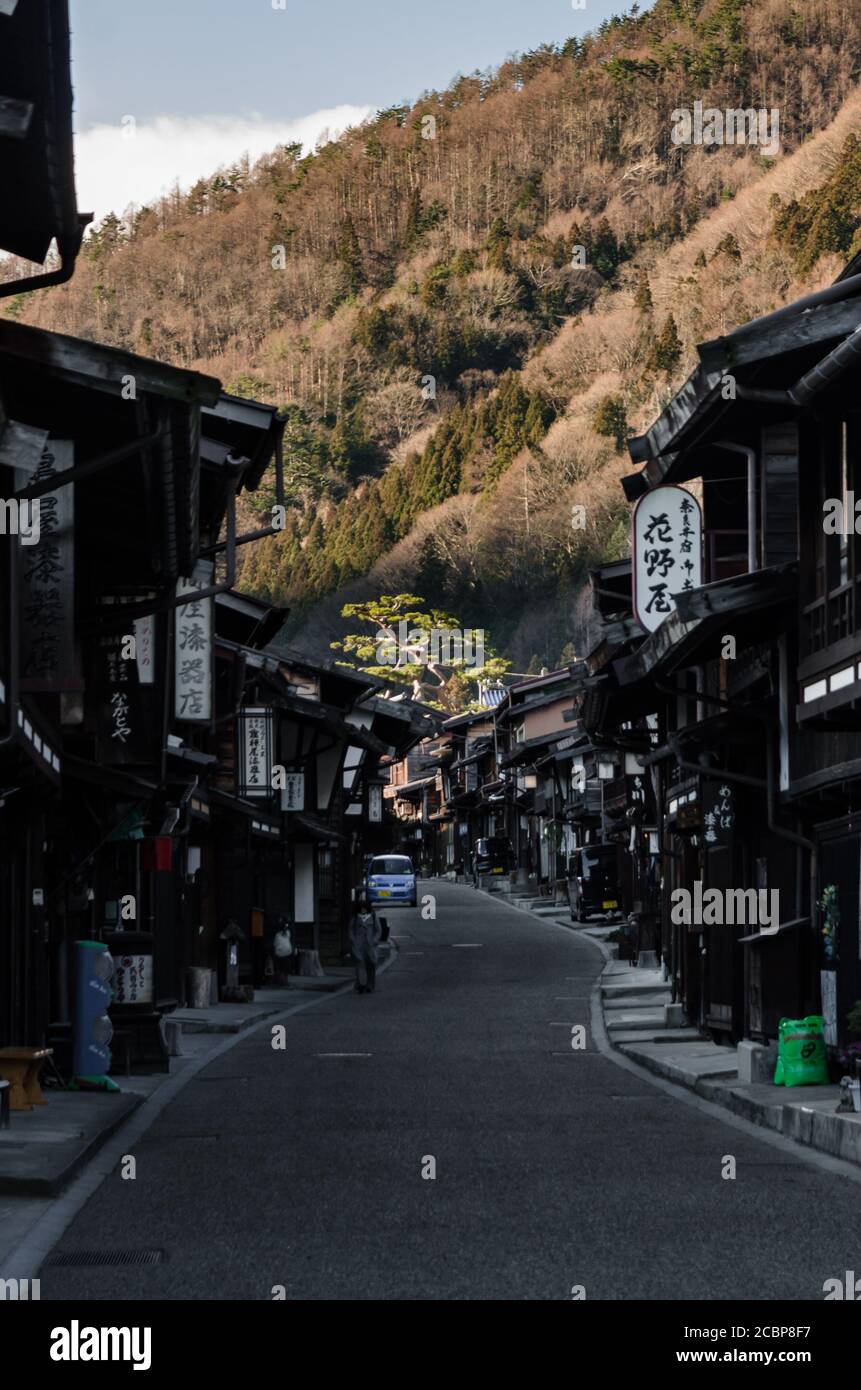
(128,163)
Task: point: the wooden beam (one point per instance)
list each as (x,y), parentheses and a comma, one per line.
(753,344)
(103,368)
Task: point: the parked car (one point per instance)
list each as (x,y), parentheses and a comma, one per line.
(492,855)
(594,883)
(391,878)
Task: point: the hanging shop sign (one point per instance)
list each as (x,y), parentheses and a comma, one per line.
(667,552)
(718,803)
(193,655)
(255,753)
(145,649)
(48,578)
(375,802)
(128,705)
(293,792)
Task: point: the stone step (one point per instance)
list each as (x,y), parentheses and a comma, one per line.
(652,998)
(660,1035)
(634,1020)
(620,974)
(635,991)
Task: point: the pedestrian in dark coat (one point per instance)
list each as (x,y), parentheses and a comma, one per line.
(365,933)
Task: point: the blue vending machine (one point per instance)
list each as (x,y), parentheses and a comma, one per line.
(92,1030)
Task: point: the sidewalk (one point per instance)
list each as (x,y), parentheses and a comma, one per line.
(235,1018)
(644,1025)
(45,1148)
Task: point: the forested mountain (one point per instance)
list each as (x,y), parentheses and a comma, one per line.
(465,306)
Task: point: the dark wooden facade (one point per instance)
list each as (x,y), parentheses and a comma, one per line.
(130,668)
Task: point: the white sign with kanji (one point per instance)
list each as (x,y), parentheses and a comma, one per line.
(257,753)
(667,552)
(133,979)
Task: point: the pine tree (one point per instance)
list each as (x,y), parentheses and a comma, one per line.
(497,244)
(349,257)
(611,420)
(105,239)
(643,294)
(667,350)
(415,219)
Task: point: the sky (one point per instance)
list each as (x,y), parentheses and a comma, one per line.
(172,89)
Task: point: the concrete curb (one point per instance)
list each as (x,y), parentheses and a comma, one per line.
(726,1104)
(54,1185)
(706,1101)
(801,1124)
(729,1105)
(25,1261)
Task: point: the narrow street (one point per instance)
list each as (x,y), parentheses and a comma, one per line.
(554,1167)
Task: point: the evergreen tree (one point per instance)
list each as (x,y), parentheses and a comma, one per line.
(497,244)
(643,293)
(728,246)
(611,420)
(349,256)
(105,239)
(415,219)
(667,349)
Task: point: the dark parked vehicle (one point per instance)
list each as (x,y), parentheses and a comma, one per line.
(492,855)
(595,882)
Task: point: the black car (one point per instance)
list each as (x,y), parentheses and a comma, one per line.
(594,882)
(492,855)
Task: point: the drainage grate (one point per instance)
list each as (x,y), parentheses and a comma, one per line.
(105,1257)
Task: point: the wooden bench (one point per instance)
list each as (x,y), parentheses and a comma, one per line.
(20,1066)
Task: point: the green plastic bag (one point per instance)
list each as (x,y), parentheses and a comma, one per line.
(801,1059)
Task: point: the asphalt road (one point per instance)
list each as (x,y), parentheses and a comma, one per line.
(554,1167)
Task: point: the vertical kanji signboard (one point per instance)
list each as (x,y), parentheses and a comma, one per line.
(667,552)
(194,651)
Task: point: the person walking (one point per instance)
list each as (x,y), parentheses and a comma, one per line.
(283,948)
(365,933)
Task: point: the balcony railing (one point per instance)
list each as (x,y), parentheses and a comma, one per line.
(829,619)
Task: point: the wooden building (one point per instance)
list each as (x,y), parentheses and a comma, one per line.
(753,681)
(171,781)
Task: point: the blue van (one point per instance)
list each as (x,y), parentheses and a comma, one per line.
(391,879)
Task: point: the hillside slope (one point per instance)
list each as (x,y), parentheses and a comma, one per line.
(462,329)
